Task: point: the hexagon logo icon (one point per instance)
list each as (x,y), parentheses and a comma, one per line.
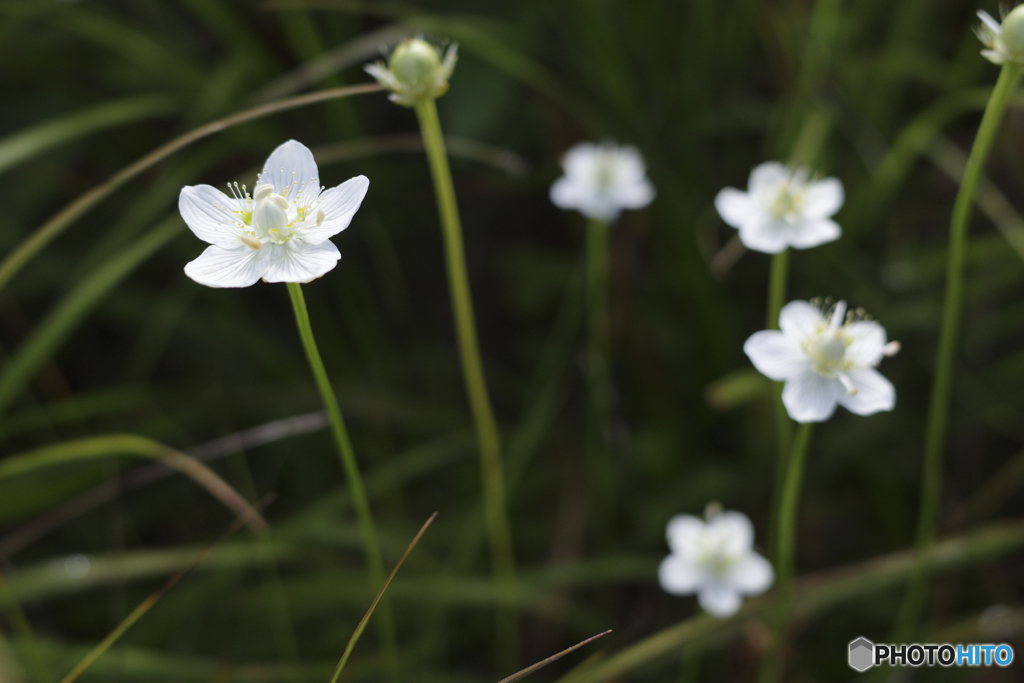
(862,654)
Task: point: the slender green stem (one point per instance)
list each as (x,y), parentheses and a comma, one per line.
(599,373)
(489,442)
(785,554)
(938,408)
(374,563)
(777,281)
(20,625)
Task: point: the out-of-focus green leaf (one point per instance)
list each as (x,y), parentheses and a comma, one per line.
(737,388)
(41,137)
(61,322)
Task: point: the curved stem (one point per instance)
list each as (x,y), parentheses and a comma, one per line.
(938,408)
(785,554)
(489,442)
(598,373)
(374,563)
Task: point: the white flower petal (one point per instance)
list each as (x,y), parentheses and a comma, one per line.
(579,161)
(992,24)
(679,576)
(209,213)
(799,320)
(339,205)
(994,56)
(298,262)
(682,533)
(600,207)
(291,170)
(764,235)
(809,397)
(219,267)
(768,175)
(867,342)
(823,198)
(752,575)
(775,355)
(635,195)
(565,194)
(874,393)
(719,600)
(734,530)
(812,232)
(736,207)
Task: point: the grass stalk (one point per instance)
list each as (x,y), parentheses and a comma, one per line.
(374,563)
(20,625)
(519,675)
(778,279)
(380,596)
(785,554)
(96,447)
(599,372)
(938,408)
(491,471)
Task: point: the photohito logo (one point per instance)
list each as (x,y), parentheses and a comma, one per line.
(863,654)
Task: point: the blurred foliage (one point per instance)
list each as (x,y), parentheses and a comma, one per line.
(102,333)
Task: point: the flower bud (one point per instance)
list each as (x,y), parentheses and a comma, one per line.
(1013,35)
(415,72)
(1004,42)
(415,63)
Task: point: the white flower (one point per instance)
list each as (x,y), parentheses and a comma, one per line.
(715,560)
(280,233)
(415,71)
(782,208)
(602,180)
(825,358)
(1004,42)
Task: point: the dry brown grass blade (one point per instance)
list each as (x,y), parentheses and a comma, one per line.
(553,658)
(366,617)
(130,444)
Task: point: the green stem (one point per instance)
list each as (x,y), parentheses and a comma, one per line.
(785,554)
(489,442)
(598,371)
(938,408)
(17,257)
(777,280)
(375,566)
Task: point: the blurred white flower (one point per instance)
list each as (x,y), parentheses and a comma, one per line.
(782,208)
(825,357)
(602,180)
(714,559)
(1004,42)
(415,71)
(280,233)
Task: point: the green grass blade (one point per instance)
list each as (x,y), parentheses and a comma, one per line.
(61,322)
(41,137)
